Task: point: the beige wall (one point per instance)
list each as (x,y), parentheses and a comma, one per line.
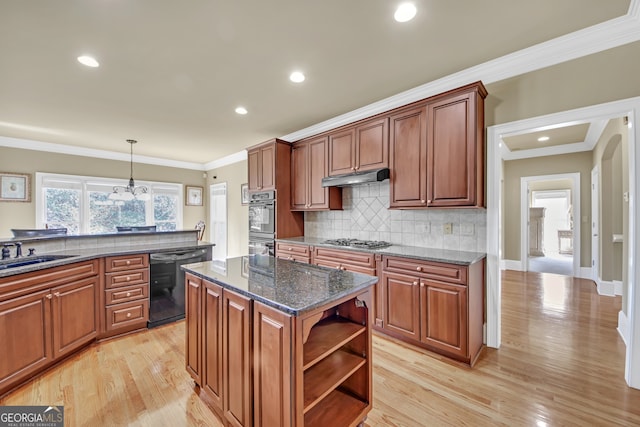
(550,165)
(22,215)
(237,214)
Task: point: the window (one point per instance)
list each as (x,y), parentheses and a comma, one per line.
(82,205)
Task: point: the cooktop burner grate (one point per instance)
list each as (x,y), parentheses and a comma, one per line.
(356,243)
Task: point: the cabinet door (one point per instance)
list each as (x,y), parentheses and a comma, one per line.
(212,342)
(237,396)
(318,197)
(268,168)
(372,145)
(272,367)
(401,295)
(74,315)
(25,334)
(342,152)
(254,165)
(452,151)
(299,179)
(193,321)
(444,316)
(408,158)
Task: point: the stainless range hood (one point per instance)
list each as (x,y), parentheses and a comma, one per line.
(356,178)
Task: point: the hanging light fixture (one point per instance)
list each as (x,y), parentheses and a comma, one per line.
(130,192)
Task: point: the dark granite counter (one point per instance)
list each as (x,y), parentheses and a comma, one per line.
(106,248)
(415,252)
(291,287)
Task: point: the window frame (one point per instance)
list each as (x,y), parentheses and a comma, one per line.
(89,183)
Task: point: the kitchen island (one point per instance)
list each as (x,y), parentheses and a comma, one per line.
(272,342)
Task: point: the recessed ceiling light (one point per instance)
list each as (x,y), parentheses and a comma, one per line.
(543,139)
(89,61)
(297,77)
(405,12)
(241,110)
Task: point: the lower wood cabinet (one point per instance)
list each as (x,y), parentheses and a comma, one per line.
(44,316)
(438,306)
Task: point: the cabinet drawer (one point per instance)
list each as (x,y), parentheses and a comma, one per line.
(126,262)
(293,257)
(133,277)
(127,314)
(130,293)
(451,273)
(363,259)
(290,248)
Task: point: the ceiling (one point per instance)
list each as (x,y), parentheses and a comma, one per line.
(172,73)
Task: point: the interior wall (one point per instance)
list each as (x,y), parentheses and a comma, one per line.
(234,175)
(550,165)
(23,214)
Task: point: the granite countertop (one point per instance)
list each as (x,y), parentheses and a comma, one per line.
(291,287)
(415,252)
(85,254)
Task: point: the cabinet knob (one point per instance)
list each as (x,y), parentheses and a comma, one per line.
(128,262)
(128,294)
(357,167)
(353,168)
(56,294)
(48,296)
(290,249)
(289,258)
(418,268)
(128,279)
(429,201)
(343,268)
(128,315)
(422,201)
(415,283)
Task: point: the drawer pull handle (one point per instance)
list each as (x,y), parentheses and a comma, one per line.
(128,294)
(128,315)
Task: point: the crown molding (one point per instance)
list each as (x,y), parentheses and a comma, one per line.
(228,160)
(27,144)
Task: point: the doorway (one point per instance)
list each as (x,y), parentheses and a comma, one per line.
(218,210)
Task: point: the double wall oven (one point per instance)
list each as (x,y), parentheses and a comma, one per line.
(262,222)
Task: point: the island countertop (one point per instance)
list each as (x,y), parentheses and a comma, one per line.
(291,287)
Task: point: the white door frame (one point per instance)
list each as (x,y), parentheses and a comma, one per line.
(212,223)
(595,225)
(629,107)
(524,217)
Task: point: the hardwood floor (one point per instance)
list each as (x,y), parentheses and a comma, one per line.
(561,363)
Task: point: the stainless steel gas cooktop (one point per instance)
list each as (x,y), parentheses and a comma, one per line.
(356,243)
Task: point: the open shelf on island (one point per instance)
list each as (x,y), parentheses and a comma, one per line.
(337,409)
(328,374)
(327,336)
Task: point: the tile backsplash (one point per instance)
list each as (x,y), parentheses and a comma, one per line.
(367,216)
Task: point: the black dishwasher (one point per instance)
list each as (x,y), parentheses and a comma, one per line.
(166,288)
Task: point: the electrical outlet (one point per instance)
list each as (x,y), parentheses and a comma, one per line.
(466,229)
(448,228)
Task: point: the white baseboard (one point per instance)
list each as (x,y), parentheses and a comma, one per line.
(605,288)
(585,273)
(617,287)
(511,264)
(623,326)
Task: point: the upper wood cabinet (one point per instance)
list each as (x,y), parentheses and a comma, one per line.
(437,151)
(360,148)
(308,166)
(408,158)
(455,139)
(262,166)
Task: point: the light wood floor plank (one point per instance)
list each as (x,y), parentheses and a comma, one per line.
(561,363)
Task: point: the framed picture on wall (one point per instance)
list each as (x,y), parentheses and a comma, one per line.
(15,187)
(244,192)
(193,196)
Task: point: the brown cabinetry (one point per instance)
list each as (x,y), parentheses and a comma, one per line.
(293,252)
(126,293)
(359,148)
(437,305)
(356,262)
(309,164)
(262,166)
(45,315)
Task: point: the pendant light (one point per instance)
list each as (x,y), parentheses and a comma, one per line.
(130,192)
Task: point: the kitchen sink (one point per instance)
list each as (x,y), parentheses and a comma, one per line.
(29,260)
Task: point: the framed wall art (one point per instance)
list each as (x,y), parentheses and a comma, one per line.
(15,187)
(193,196)
(244,193)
